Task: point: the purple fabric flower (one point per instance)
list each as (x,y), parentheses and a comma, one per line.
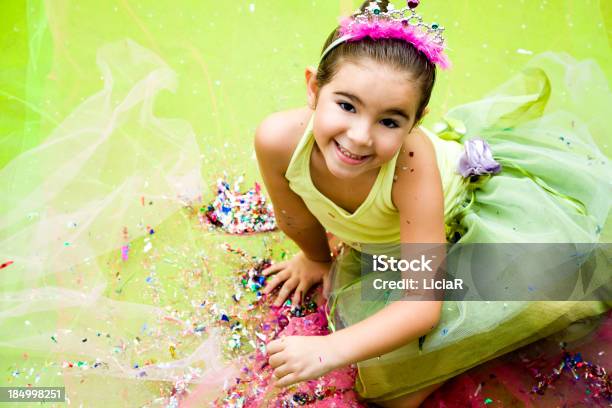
(477,159)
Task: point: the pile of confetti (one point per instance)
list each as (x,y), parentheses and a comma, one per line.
(248,325)
(253,389)
(596,378)
(239,213)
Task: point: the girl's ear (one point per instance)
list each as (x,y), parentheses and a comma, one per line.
(312,87)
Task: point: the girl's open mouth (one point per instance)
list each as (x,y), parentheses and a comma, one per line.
(347,156)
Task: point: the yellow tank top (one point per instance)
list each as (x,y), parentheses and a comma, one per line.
(376,220)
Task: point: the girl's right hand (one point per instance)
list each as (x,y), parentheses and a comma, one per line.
(298,274)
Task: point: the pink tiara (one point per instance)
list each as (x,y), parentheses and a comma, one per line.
(403,24)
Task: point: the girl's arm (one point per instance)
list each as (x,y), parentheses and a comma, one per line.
(274,146)
(418,196)
(275,141)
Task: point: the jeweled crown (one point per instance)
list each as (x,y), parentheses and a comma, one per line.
(404,24)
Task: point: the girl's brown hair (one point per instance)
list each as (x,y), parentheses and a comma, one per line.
(397,53)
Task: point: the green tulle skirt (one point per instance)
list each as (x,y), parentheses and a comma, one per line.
(554,187)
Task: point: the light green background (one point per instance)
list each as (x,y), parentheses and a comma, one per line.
(236,65)
(237,61)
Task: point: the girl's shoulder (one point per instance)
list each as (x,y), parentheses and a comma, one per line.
(278,135)
(417,151)
(417,191)
(415,164)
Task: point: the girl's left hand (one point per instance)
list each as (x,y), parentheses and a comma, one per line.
(301,358)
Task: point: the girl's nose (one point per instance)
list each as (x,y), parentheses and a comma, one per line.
(360,134)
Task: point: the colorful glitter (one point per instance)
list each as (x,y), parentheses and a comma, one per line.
(596,377)
(239,213)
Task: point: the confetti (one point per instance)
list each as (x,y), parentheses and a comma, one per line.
(596,377)
(125,250)
(239,213)
(5,264)
(255,387)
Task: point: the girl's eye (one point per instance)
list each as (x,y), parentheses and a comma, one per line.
(390,123)
(346,106)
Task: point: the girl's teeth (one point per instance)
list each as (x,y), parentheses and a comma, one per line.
(349,154)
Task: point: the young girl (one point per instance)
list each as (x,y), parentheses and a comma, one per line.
(355,162)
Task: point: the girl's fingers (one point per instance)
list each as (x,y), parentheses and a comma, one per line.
(279,266)
(273,268)
(275,346)
(276,359)
(285,291)
(282,371)
(326,286)
(277,280)
(297,297)
(287,380)
(299,293)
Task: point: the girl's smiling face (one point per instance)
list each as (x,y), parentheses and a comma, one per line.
(362,115)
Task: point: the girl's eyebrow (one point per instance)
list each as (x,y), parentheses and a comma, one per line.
(392,111)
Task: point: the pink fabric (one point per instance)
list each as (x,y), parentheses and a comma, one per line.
(507,381)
